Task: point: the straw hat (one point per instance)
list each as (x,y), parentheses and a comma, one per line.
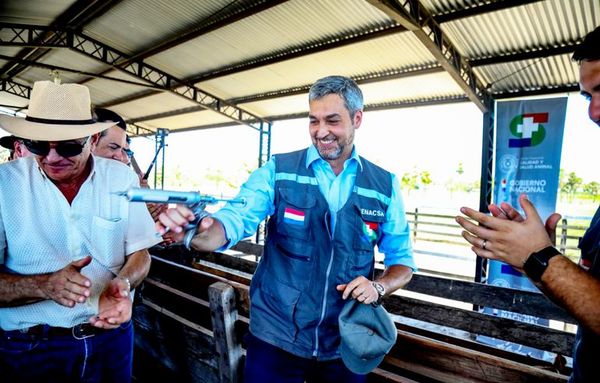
(56,112)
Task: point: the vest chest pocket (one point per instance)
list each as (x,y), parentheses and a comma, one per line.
(367,234)
(294,213)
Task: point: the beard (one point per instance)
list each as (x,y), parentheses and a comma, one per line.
(335,149)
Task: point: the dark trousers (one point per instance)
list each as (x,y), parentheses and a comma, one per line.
(269,364)
(105,356)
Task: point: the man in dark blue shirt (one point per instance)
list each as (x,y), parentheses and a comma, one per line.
(527,244)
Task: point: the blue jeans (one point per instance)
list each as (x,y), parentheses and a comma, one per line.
(103,357)
(269,364)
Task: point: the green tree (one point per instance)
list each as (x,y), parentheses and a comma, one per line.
(415,180)
(592,189)
(571,185)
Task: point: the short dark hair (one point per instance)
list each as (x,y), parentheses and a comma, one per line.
(344,87)
(104,115)
(589,49)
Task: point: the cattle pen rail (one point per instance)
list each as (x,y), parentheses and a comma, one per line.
(442,228)
(192,314)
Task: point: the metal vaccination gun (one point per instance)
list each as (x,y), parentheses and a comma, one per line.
(196,201)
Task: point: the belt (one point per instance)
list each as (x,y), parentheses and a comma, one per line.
(80,331)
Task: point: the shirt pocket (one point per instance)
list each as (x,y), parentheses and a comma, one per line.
(108,242)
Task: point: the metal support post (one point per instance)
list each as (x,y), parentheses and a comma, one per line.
(487,163)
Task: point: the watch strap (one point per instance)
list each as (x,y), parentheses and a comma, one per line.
(537,263)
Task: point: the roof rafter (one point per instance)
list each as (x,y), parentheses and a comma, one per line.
(480,9)
(15,88)
(75,17)
(318,46)
(502,58)
(23,35)
(364,79)
(289,53)
(368,108)
(211,24)
(414,17)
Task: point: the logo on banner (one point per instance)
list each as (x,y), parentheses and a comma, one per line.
(529,130)
(370,231)
(293,216)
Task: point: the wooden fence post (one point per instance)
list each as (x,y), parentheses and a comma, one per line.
(563,237)
(223,315)
(415,224)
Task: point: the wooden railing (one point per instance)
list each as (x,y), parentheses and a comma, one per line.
(441,228)
(184,322)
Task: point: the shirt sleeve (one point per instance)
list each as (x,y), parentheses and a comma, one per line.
(242,221)
(395,241)
(2,239)
(141,233)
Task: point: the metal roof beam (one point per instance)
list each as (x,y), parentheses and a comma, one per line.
(293,52)
(413,16)
(372,77)
(506,57)
(139,69)
(211,24)
(365,79)
(80,13)
(537,91)
(15,88)
(480,9)
(299,51)
(368,108)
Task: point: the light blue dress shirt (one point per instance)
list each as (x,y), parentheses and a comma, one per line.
(242,222)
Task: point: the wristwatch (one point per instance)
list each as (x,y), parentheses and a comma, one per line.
(380,290)
(537,262)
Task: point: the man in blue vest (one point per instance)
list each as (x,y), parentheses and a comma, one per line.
(328,208)
(527,244)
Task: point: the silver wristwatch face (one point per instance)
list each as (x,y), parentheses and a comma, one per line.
(379,287)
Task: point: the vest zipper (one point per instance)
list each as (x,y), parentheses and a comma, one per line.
(324,308)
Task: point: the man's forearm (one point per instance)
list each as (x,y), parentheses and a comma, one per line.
(136,268)
(395,277)
(18,290)
(575,290)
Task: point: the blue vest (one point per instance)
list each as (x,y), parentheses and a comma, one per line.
(587,344)
(294,301)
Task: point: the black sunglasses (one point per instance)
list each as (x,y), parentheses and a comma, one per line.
(63,148)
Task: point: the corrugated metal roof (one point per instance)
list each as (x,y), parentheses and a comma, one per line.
(260,56)
(32,12)
(518,29)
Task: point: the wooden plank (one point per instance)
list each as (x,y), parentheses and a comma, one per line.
(187,353)
(224,314)
(449,363)
(478,323)
(519,301)
(195,282)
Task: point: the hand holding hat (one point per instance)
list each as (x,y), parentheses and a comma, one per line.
(368,334)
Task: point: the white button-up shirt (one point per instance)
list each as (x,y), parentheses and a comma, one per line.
(40,232)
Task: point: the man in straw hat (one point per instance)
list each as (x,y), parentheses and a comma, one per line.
(71,248)
(16,147)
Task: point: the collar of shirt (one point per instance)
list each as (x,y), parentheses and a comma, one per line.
(335,189)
